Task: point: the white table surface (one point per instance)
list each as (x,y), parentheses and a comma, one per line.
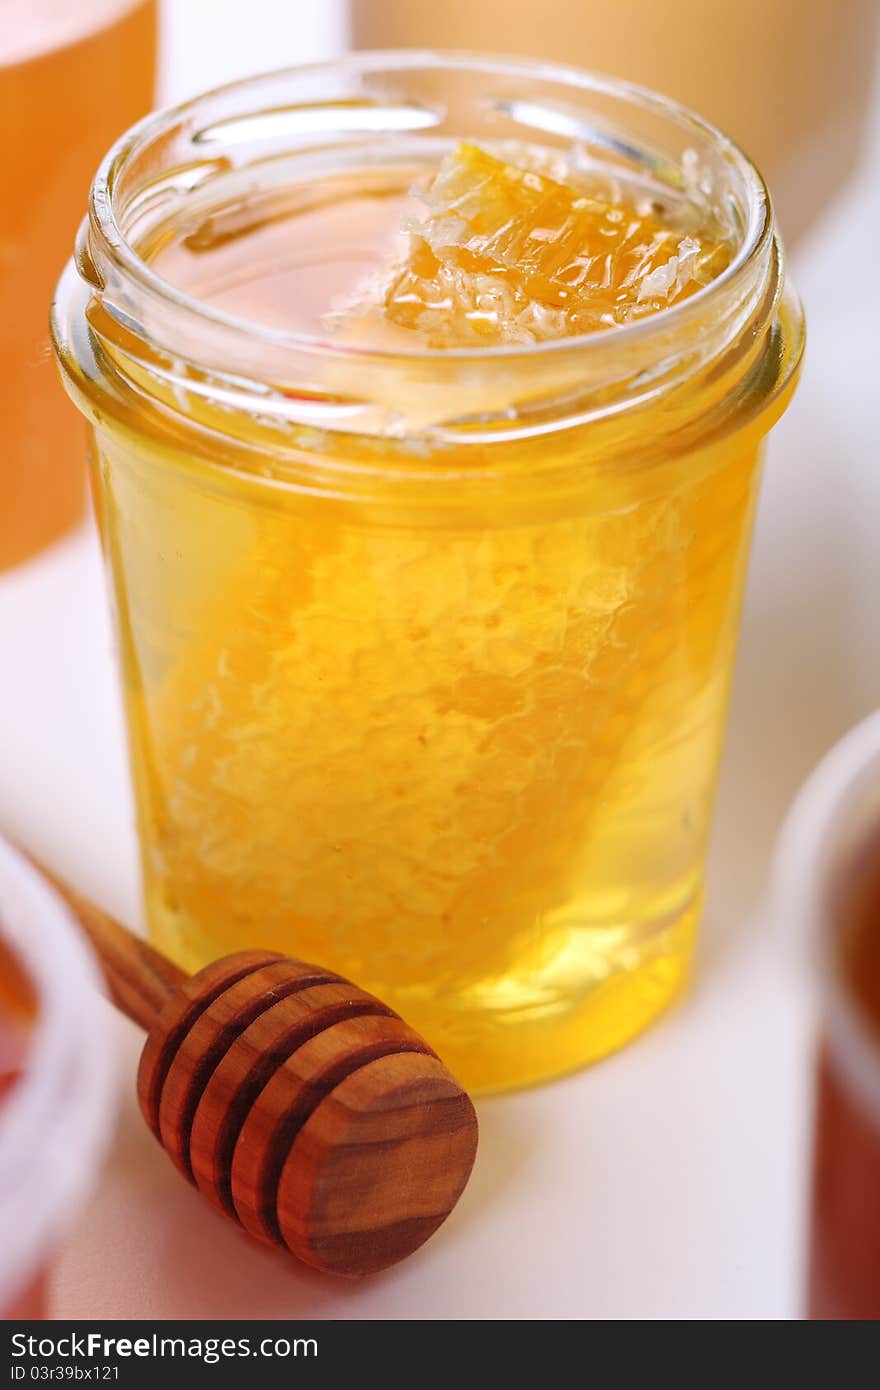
(667,1182)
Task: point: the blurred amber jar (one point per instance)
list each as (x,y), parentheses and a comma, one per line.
(72,75)
(789,81)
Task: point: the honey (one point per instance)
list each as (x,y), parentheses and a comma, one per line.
(18,1010)
(508,254)
(71,77)
(427,655)
(860,938)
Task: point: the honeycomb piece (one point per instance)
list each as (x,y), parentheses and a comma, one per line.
(508,254)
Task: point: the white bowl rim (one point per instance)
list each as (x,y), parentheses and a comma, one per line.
(817,830)
(56,1120)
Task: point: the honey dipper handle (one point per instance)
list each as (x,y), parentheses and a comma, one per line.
(139,979)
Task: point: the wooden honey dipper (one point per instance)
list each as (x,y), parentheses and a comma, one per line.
(301,1106)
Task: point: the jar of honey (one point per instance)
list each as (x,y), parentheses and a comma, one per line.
(427,399)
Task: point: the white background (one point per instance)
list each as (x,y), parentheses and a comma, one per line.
(669,1181)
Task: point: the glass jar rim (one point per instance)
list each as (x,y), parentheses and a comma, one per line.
(112,241)
(133,346)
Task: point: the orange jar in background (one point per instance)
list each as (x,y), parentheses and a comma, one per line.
(72,77)
(790,82)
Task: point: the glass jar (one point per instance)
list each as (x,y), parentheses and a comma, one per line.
(426,652)
(71,77)
(56,1100)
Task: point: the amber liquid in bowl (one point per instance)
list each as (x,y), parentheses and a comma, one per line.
(844,1272)
(18,1011)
